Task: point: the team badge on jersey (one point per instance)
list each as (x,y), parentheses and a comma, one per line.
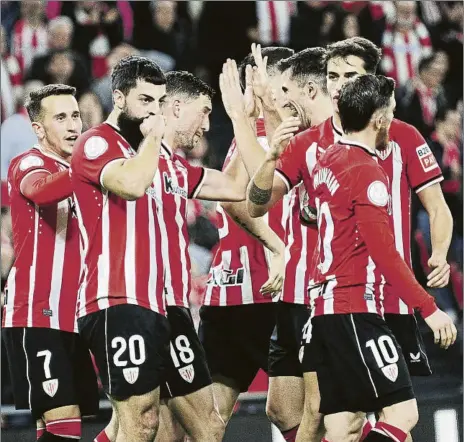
(30,161)
(187,373)
(377,193)
(95,147)
(50,387)
(131,374)
(391,372)
(426,157)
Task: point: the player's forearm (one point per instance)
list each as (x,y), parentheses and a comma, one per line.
(137,173)
(256,227)
(251,152)
(441,229)
(259,191)
(44,189)
(381,246)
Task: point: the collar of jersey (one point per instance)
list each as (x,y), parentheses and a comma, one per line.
(357,144)
(335,127)
(167,149)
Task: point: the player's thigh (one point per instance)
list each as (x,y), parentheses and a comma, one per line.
(408,335)
(130,345)
(170,430)
(403,415)
(361,366)
(41,369)
(285,400)
(186,369)
(344,426)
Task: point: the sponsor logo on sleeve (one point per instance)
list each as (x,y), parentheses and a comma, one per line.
(426,158)
(30,161)
(95,147)
(377,193)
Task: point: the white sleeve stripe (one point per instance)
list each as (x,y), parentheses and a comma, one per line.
(200,184)
(30,173)
(284,179)
(105,167)
(430,183)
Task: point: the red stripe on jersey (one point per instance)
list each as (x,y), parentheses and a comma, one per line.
(120,237)
(42,285)
(240,266)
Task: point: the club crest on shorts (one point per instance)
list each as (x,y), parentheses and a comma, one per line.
(131,374)
(50,387)
(187,373)
(391,372)
(414,357)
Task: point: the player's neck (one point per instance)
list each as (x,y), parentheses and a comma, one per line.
(324,111)
(113,117)
(169,138)
(46,148)
(336,120)
(366,138)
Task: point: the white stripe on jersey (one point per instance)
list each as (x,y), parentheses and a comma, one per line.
(225,259)
(81,298)
(33,268)
(300,288)
(397,209)
(58,261)
(247,286)
(328,296)
(9,310)
(370,281)
(180,217)
(129,255)
(153,264)
(104,258)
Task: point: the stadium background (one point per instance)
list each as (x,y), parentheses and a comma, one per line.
(77,43)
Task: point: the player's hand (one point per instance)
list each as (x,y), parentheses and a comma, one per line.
(251,101)
(273,285)
(440,274)
(261,85)
(154,125)
(282,135)
(444,330)
(232,96)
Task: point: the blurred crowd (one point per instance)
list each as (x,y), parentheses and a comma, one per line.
(78,42)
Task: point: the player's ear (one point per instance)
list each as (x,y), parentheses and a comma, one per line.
(378,119)
(119,99)
(176,108)
(311,89)
(38,130)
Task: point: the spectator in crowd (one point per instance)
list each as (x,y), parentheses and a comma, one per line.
(7,253)
(11,79)
(10,12)
(16,133)
(30,33)
(60,32)
(102,86)
(347,26)
(97,28)
(418,100)
(273,18)
(91,111)
(404,43)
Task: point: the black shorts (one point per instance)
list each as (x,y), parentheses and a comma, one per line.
(286,339)
(50,369)
(359,363)
(186,369)
(236,340)
(130,344)
(408,335)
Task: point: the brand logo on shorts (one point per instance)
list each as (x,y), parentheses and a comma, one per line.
(415,358)
(391,372)
(131,374)
(50,387)
(187,373)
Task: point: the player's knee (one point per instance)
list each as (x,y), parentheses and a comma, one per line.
(218,425)
(340,434)
(274,413)
(66,412)
(404,415)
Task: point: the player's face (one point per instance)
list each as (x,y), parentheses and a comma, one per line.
(339,71)
(192,120)
(383,123)
(61,123)
(297,102)
(276,82)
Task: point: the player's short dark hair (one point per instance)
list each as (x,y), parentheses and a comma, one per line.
(358,47)
(361,97)
(34,101)
(306,65)
(273,53)
(132,68)
(185,83)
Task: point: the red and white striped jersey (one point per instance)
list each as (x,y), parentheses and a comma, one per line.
(409,164)
(240,266)
(43,282)
(297,160)
(402,51)
(121,239)
(28,43)
(176,181)
(345,180)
